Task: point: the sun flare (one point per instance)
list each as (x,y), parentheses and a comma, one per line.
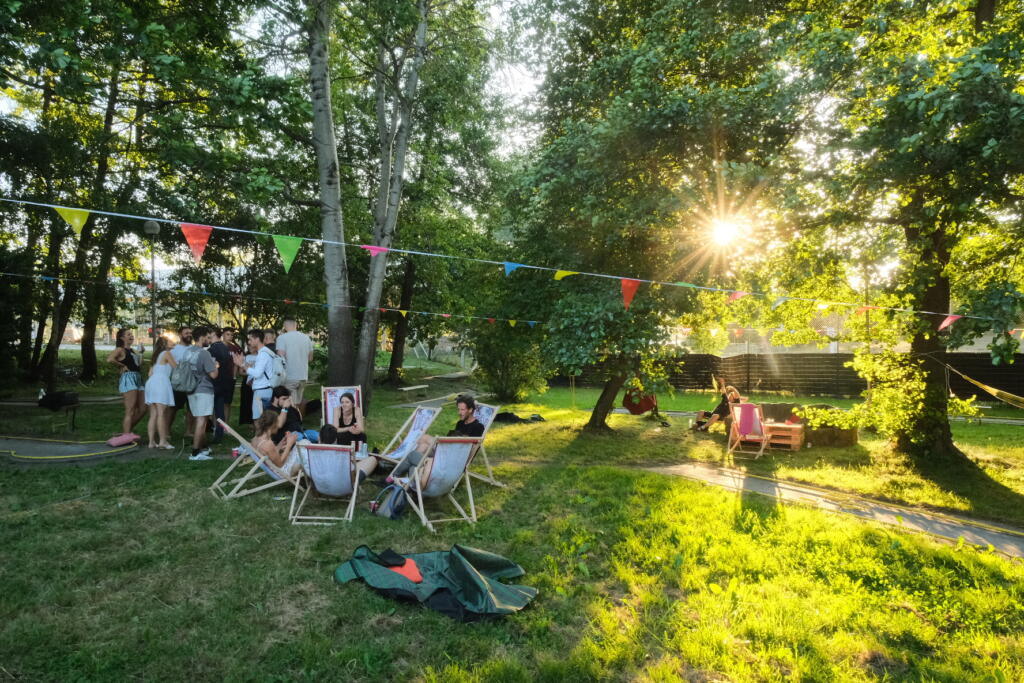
(724,231)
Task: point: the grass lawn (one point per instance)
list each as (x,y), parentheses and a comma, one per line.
(131,569)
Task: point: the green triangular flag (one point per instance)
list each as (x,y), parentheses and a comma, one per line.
(287,247)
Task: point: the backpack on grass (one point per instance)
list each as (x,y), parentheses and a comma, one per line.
(390,502)
(184,376)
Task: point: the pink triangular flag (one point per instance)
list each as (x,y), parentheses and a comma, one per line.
(446,315)
(374,250)
(629,287)
(197,236)
(737,295)
(950,319)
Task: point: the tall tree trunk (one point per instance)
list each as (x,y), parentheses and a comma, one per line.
(606,401)
(94,297)
(402,328)
(394,145)
(332,228)
(927,434)
(28,303)
(62,313)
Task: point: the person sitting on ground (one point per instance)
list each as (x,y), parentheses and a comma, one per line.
(729,395)
(348,420)
(290,418)
(467,425)
(282,455)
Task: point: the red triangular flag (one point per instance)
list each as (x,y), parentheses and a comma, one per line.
(739,332)
(446,315)
(629,287)
(737,295)
(197,236)
(950,319)
(490,320)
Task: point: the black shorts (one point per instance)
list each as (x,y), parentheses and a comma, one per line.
(180,400)
(226,392)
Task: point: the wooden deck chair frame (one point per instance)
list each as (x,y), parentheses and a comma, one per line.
(489,477)
(345,455)
(745,443)
(226,489)
(329,398)
(420,481)
(405,431)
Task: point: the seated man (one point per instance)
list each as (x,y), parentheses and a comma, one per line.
(467,425)
(289,418)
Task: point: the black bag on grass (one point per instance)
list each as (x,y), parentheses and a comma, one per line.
(390,502)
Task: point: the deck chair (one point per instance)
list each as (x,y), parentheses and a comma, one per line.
(748,432)
(330,398)
(485,415)
(439,475)
(415,426)
(226,488)
(328,470)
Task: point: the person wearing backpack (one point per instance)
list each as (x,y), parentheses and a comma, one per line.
(262,372)
(182,348)
(200,401)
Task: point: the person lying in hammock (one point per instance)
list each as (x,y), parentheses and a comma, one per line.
(729,395)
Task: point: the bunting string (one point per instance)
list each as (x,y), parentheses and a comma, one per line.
(288,246)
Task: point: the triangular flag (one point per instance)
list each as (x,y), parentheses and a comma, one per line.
(288,248)
(531,323)
(509,267)
(950,319)
(404,313)
(446,315)
(739,332)
(512,323)
(490,320)
(565,273)
(778,302)
(737,295)
(683,284)
(76,218)
(197,236)
(374,250)
(629,287)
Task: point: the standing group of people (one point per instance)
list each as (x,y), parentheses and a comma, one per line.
(198,371)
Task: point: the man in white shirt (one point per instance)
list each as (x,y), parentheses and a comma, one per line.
(261,372)
(297,350)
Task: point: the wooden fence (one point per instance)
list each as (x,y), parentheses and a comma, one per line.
(818,374)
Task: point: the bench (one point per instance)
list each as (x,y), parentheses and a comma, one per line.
(70,413)
(421,387)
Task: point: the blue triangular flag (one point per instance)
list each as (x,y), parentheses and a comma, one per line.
(509,267)
(531,323)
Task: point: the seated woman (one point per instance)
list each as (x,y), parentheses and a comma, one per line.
(705,419)
(348,420)
(282,455)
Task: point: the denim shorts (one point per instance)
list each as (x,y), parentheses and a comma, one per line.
(130,381)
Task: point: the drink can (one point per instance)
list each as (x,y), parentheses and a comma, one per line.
(234,452)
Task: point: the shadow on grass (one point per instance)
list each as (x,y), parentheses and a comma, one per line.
(965,478)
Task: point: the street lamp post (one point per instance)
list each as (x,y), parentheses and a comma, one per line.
(152,229)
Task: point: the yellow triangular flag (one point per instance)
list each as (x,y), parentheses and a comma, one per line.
(565,273)
(512,323)
(404,313)
(76,218)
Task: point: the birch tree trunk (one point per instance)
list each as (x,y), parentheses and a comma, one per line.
(393,133)
(332,227)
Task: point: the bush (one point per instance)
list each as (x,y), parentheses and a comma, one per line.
(510,360)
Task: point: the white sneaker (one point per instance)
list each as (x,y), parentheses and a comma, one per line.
(201,455)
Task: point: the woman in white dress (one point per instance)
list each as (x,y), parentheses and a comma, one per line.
(159,394)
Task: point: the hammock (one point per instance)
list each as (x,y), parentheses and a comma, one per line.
(1005,396)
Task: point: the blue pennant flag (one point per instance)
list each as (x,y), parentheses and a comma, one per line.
(509,267)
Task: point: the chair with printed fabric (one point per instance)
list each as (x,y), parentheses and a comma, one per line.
(329,471)
(484,414)
(439,475)
(330,399)
(228,489)
(405,439)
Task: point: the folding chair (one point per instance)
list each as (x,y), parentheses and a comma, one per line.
(330,398)
(328,470)
(748,433)
(485,415)
(262,466)
(440,474)
(415,426)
